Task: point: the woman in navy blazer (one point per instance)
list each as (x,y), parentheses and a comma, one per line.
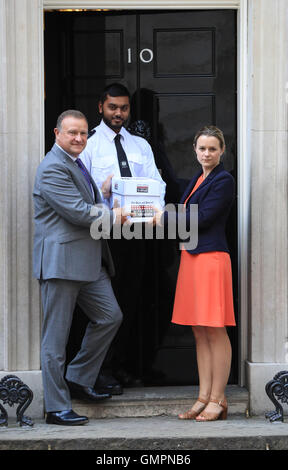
(204,296)
(214,198)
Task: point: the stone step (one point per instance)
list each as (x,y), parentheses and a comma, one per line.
(157,401)
(142,422)
(141,438)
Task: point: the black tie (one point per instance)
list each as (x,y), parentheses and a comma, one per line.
(122,158)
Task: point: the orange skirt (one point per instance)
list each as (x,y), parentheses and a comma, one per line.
(204,294)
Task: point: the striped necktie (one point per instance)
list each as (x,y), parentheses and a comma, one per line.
(85,173)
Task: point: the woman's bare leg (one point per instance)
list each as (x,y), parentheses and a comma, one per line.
(204,361)
(204,371)
(221,353)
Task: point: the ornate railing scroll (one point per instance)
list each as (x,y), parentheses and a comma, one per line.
(12,391)
(277,390)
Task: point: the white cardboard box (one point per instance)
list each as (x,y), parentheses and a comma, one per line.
(138,195)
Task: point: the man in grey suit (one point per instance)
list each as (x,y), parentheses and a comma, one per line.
(72,267)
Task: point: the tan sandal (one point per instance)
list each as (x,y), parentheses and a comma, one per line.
(191,414)
(214,416)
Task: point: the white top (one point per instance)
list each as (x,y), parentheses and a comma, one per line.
(100,156)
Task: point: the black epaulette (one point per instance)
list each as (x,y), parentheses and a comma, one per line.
(91,133)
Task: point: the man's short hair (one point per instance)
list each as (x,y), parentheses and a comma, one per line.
(70,113)
(114,89)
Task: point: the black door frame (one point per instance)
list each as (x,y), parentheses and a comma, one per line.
(243,150)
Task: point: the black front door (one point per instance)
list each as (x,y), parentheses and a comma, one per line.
(180,67)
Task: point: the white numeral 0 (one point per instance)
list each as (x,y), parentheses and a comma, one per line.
(150,58)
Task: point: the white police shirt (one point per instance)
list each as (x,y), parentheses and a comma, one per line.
(100,156)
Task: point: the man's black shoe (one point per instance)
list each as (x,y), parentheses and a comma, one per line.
(108,384)
(66,418)
(86,393)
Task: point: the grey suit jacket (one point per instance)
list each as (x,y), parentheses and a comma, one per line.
(63,246)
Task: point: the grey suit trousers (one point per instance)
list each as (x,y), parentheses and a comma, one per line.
(59,298)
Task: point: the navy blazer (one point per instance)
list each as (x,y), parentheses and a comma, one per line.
(215,197)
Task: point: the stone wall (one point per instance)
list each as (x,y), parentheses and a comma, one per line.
(267,52)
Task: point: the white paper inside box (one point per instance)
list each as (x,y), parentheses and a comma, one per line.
(138,196)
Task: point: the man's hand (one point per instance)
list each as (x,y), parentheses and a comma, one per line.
(106,187)
(120,213)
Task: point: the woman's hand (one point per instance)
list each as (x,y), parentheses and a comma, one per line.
(157,217)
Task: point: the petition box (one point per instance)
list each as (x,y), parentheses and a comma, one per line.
(138,195)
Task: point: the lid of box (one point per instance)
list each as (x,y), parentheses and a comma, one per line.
(136,186)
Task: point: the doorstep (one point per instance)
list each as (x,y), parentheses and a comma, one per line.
(157,401)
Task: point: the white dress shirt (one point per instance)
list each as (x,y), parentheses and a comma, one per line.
(100,156)
(68,154)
